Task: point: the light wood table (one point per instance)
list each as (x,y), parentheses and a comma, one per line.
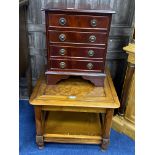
(74,111)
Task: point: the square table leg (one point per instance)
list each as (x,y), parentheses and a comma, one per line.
(107,121)
(39,127)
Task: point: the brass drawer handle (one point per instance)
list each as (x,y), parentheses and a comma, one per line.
(89,65)
(62,65)
(93,22)
(91,53)
(62,37)
(62,21)
(92,38)
(62,51)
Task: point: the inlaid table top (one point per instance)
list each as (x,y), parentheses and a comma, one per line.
(75,92)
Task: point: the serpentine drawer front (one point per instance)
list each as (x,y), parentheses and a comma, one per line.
(76,65)
(76,37)
(77,52)
(74,21)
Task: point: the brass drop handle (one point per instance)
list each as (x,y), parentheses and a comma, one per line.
(91,53)
(62,65)
(93,22)
(92,38)
(62,21)
(62,37)
(89,65)
(62,51)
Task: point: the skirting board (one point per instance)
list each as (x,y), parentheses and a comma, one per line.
(122,125)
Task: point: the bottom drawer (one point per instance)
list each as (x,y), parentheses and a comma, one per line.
(76,65)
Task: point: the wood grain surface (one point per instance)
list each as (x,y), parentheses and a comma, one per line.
(75,92)
(72,127)
(66,22)
(78,37)
(69,112)
(72,21)
(77,52)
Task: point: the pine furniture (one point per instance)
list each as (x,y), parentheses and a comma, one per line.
(74,111)
(125,121)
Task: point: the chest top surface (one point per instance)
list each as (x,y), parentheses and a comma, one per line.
(90,6)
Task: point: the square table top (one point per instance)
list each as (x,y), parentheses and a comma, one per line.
(75,92)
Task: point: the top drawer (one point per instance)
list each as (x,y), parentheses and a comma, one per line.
(78,21)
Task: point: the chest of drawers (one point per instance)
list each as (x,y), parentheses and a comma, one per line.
(76,35)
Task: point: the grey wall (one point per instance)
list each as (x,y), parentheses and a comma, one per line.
(121,30)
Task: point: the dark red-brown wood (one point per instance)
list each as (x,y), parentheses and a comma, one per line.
(77,52)
(72,21)
(54,79)
(78,37)
(77,31)
(78,65)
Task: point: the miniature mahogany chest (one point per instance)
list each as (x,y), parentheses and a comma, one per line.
(77,34)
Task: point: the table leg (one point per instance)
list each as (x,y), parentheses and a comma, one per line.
(39,127)
(106,121)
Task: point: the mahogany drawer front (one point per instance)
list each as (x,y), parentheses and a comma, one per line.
(77,52)
(79,21)
(77,37)
(69,64)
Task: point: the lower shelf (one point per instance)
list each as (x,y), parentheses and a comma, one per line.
(70,127)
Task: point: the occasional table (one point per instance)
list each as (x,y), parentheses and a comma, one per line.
(74,111)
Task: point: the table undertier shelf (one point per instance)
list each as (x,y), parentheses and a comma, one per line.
(72,127)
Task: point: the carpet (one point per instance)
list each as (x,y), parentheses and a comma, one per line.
(120,144)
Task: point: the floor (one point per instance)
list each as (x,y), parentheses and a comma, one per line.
(120,144)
